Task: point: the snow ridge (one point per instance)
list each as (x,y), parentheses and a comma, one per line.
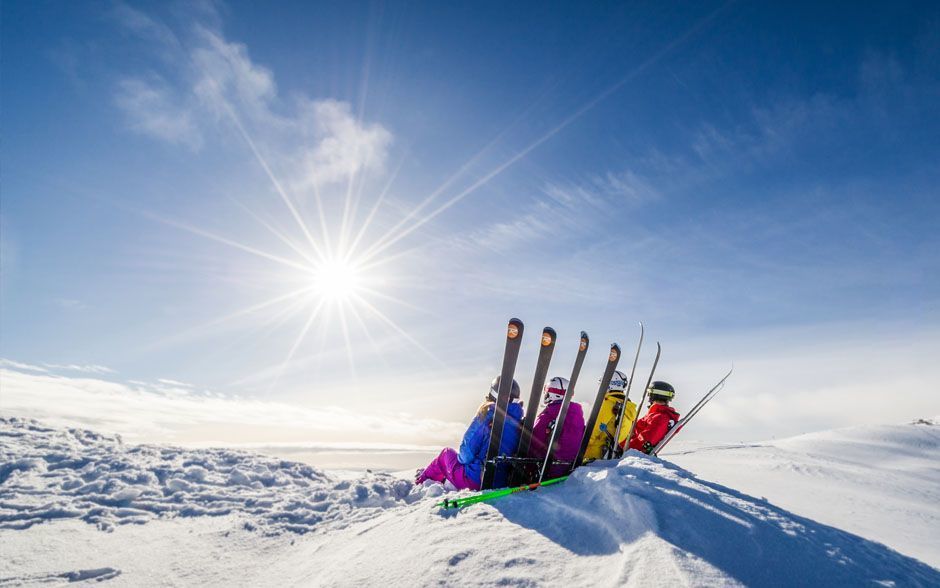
(48,474)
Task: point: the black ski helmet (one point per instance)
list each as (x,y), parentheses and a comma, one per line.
(662,391)
(494,389)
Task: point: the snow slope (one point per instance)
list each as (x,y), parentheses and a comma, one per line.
(75,505)
(880,482)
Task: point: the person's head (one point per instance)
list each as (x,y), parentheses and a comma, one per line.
(514,393)
(555,390)
(661,393)
(618,382)
(491,394)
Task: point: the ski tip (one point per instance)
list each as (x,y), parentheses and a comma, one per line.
(514,330)
(548,336)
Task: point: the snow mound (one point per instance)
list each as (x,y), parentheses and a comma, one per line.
(637,522)
(880,482)
(48,474)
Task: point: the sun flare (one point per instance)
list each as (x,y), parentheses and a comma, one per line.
(336,280)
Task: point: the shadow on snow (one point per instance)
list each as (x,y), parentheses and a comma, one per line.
(600,509)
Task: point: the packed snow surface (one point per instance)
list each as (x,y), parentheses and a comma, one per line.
(221,517)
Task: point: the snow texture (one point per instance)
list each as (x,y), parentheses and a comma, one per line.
(48,474)
(637,522)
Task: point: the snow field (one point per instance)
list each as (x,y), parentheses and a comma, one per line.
(880,482)
(229,518)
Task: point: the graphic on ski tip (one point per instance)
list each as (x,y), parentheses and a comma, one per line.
(692,412)
(513,343)
(546,348)
(619,450)
(612,359)
(563,412)
(614,443)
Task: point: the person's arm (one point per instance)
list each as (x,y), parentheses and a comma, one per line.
(629,415)
(656,428)
(541,432)
(471,441)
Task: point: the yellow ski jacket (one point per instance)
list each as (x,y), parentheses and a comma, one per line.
(606,418)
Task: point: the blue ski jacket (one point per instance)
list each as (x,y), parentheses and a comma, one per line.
(477,440)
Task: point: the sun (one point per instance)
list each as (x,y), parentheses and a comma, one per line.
(336,280)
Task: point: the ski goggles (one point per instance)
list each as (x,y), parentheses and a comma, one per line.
(663,393)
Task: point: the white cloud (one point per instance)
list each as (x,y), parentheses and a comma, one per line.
(211,83)
(152,109)
(162,413)
(345,146)
(226,76)
(83,368)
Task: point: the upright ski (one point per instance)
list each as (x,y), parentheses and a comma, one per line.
(639,406)
(563,411)
(531,409)
(626,398)
(510,356)
(612,360)
(692,412)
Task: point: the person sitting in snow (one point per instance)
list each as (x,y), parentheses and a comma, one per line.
(602,439)
(568,440)
(651,429)
(464,468)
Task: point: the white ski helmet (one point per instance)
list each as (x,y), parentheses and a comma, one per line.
(494,389)
(618,382)
(555,389)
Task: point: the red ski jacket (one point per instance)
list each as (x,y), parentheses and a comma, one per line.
(653,427)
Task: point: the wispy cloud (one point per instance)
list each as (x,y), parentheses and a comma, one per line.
(153,109)
(82,368)
(344,147)
(210,83)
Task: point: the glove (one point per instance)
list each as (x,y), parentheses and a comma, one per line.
(647,448)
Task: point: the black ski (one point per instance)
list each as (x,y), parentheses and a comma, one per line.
(547,346)
(692,412)
(639,406)
(510,356)
(612,360)
(626,398)
(563,412)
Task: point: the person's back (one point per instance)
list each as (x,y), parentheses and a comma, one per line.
(602,438)
(606,427)
(651,429)
(476,442)
(572,431)
(464,468)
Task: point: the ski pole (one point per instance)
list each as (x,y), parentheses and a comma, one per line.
(626,398)
(468,500)
(639,407)
(692,412)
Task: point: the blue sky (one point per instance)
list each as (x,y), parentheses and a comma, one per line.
(756,183)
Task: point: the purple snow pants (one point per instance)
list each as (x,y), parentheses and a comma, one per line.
(446,467)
